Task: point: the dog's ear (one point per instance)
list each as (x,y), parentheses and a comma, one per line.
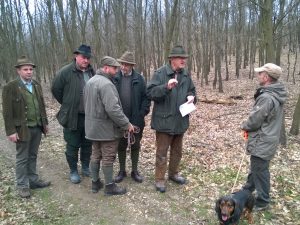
(237,211)
(217,207)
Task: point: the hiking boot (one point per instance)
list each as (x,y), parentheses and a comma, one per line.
(160,186)
(178,179)
(74,177)
(136,176)
(96,186)
(39,184)
(85,171)
(113,189)
(121,175)
(24,192)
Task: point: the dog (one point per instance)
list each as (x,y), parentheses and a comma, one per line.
(231,208)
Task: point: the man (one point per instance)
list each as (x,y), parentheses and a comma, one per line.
(171,86)
(25,119)
(263,127)
(132,91)
(104,124)
(67,88)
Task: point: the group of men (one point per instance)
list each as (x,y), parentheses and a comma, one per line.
(102,113)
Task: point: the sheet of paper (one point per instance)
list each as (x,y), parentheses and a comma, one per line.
(186,108)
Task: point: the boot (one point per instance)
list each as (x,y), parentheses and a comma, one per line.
(95,169)
(135,175)
(96,186)
(113,189)
(74,176)
(121,175)
(85,171)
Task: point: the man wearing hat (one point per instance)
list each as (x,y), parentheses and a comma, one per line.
(105,123)
(170,87)
(67,88)
(25,119)
(263,127)
(131,87)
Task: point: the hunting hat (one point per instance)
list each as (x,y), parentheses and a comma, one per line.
(272,70)
(109,61)
(178,51)
(23,60)
(84,50)
(128,58)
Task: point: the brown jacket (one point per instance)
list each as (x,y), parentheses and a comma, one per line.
(15,108)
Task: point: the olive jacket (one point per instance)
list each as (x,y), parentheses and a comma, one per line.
(15,108)
(166,116)
(104,117)
(65,89)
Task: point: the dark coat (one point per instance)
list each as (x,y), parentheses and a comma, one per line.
(15,108)
(65,89)
(140,104)
(166,116)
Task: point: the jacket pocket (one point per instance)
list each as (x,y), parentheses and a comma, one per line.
(62,116)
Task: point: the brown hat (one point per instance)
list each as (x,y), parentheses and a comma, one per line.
(178,51)
(23,60)
(109,61)
(272,70)
(127,57)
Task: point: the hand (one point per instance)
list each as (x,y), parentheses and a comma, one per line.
(46,129)
(14,137)
(130,128)
(172,83)
(245,135)
(190,99)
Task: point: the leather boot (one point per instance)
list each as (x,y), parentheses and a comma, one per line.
(178,179)
(121,175)
(113,189)
(96,186)
(136,176)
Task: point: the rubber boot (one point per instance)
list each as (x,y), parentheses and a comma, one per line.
(74,176)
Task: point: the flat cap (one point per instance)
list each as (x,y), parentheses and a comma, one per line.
(109,61)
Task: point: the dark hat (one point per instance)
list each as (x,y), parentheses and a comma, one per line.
(23,60)
(127,57)
(84,50)
(178,51)
(272,69)
(109,61)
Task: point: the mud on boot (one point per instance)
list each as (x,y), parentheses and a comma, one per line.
(113,189)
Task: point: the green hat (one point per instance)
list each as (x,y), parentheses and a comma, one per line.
(22,61)
(84,50)
(128,58)
(178,51)
(109,61)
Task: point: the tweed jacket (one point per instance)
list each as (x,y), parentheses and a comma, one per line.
(15,108)
(104,117)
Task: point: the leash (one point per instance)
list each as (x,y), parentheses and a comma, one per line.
(130,137)
(245,134)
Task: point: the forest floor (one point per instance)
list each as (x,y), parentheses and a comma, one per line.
(213,151)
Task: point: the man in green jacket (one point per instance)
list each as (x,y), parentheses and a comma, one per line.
(105,123)
(170,87)
(67,88)
(25,119)
(263,127)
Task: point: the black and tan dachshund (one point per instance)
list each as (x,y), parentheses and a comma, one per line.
(231,208)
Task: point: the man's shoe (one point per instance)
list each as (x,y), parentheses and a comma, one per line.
(85,171)
(24,192)
(113,189)
(96,186)
(74,177)
(261,208)
(136,176)
(121,175)
(161,187)
(39,184)
(178,179)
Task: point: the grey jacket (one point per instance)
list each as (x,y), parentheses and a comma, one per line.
(166,116)
(104,117)
(265,120)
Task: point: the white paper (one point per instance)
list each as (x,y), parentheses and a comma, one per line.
(186,108)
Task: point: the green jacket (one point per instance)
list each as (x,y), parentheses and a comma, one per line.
(15,108)
(166,116)
(65,89)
